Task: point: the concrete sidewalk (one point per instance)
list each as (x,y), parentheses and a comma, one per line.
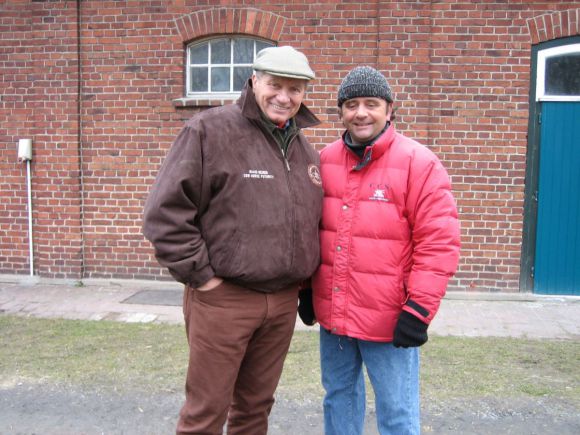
(461,314)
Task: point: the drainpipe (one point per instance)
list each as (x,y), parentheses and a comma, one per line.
(25,155)
(80,144)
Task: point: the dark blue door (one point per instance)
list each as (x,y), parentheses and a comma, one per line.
(557,259)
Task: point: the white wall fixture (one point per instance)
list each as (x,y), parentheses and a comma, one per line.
(25,155)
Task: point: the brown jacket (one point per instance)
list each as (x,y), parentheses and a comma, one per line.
(227,203)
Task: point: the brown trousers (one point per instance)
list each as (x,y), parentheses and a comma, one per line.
(238,340)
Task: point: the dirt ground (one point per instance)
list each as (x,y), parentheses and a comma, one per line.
(49,410)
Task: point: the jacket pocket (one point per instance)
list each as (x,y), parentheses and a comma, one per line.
(227,259)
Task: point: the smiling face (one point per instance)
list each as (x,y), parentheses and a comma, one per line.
(365,117)
(278,97)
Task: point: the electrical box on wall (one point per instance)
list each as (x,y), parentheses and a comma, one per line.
(24,150)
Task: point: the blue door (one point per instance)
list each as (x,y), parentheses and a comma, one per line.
(557,259)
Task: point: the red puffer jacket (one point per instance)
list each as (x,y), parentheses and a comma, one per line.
(389,234)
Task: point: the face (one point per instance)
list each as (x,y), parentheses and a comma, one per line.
(278,97)
(365,117)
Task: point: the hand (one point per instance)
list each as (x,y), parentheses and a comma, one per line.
(410,331)
(305,307)
(211,284)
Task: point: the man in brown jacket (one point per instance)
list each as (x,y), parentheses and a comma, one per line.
(233,214)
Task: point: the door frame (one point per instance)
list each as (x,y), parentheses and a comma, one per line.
(528,253)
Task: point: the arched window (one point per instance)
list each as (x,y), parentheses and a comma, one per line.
(219,67)
(558,78)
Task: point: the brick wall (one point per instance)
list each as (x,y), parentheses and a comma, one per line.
(460,72)
(38,60)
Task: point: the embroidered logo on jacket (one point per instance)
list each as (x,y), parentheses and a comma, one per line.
(379,192)
(314,174)
(256,173)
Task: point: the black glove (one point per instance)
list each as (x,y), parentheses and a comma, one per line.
(410,331)
(305,307)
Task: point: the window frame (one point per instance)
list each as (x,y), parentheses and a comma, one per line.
(221,95)
(543,56)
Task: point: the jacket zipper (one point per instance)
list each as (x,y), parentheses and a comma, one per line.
(293,224)
(293,219)
(287,148)
(285,161)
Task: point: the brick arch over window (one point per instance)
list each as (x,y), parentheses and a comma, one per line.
(230,20)
(556,25)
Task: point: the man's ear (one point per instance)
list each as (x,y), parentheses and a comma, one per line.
(389,111)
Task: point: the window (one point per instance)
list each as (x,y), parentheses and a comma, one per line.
(220,67)
(558,78)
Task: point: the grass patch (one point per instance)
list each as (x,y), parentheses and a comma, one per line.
(500,367)
(301,375)
(149,357)
(104,354)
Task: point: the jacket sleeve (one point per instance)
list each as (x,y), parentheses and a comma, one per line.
(435,232)
(176,201)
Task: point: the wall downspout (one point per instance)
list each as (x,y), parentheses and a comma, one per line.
(25,155)
(430,78)
(378,21)
(30,243)
(80,146)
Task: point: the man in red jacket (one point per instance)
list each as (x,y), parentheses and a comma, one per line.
(389,239)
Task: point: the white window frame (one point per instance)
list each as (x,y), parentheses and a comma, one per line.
(223,95)
(543,56)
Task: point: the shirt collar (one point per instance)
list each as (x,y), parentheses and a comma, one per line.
(359,149)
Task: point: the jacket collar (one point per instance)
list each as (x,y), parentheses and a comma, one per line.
(376,150)
(250,109)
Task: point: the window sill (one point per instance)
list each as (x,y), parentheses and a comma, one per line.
(204,102)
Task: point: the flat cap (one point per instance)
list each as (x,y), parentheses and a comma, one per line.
(283,61)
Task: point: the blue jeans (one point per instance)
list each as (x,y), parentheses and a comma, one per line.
(394,375)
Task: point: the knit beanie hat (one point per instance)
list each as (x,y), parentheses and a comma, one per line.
(364,81)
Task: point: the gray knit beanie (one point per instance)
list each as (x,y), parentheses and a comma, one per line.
(364,81)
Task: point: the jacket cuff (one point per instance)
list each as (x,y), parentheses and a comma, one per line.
(417,310)
(201,276)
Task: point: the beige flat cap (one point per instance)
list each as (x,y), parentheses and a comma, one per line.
(283,61)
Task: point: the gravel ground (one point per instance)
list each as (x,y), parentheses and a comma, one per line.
(49,410)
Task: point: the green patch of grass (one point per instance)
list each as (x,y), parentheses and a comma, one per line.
(149,357)
(301,375)
(107,354)
(534,390)
(500,367)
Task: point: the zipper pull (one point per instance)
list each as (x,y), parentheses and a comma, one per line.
(285,160)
